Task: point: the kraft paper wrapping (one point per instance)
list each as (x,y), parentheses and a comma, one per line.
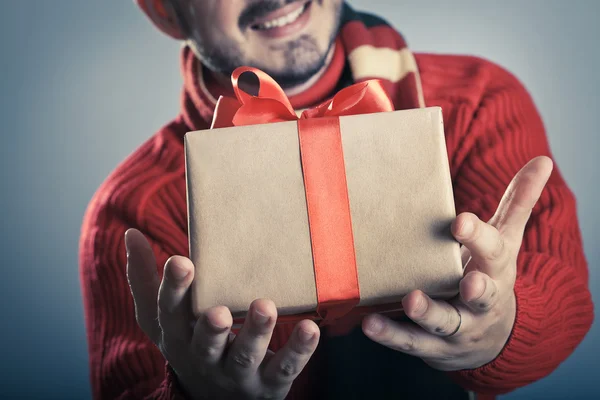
(248,223)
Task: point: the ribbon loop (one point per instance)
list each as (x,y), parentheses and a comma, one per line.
(268,89)
(361,98)
(272,104)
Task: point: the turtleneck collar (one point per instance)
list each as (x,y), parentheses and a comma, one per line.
(201,91)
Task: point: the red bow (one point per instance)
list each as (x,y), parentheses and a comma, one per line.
(272,105)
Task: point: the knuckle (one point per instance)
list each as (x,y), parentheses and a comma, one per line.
(484,305)
(409,345)
(498,250)
(243,359)
(208,352)
(444,358)
(442,330)
(447,326)
(287,369)
(476,338)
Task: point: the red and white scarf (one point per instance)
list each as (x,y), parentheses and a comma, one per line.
(367,47)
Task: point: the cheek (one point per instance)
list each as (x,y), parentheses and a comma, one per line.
(327,13)
(215,21)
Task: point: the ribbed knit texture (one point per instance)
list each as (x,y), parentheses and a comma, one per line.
(492,130)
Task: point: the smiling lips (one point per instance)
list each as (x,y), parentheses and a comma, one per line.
(285,21)
(282,21)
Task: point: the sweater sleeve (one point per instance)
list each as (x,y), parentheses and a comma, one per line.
(124,363)
(554,306)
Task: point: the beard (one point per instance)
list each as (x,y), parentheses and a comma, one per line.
(302,57)
(302,60)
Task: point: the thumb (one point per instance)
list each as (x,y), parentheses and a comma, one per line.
(143,280)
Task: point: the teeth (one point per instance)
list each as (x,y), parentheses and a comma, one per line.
(282,21)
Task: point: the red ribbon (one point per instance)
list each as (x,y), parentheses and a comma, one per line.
(324,173)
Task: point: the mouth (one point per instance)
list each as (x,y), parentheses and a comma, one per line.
(284,21)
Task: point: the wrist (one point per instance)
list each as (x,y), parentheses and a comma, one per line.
(178,389)
(509,312)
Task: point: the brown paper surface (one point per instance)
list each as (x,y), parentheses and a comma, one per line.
(248,224)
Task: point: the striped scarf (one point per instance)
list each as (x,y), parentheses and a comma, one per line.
(367,46)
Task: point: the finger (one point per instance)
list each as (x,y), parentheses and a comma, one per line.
(287,363)
(479,292)
(404,336)
(436,317)
(211,335)
(143,281)
(520,197)
(486,245)
(250,346)
(174,313)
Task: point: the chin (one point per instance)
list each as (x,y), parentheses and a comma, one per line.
(295,61)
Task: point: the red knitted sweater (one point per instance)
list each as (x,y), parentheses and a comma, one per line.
(492,130)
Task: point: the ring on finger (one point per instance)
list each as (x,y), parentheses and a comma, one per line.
(459,321)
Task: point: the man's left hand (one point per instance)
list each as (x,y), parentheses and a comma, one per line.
(472,329)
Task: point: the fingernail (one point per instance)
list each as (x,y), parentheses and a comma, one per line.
(420,306)
(178,272)
(304,335)
(480,295)
(218,327)
(467,228)
(375,324)
(260,318)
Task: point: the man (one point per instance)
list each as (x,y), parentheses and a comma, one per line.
(524,303)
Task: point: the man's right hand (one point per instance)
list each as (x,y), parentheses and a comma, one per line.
(210,361)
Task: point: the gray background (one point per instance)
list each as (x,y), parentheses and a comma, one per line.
(83,83)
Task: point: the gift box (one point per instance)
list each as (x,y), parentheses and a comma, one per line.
(345,208)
